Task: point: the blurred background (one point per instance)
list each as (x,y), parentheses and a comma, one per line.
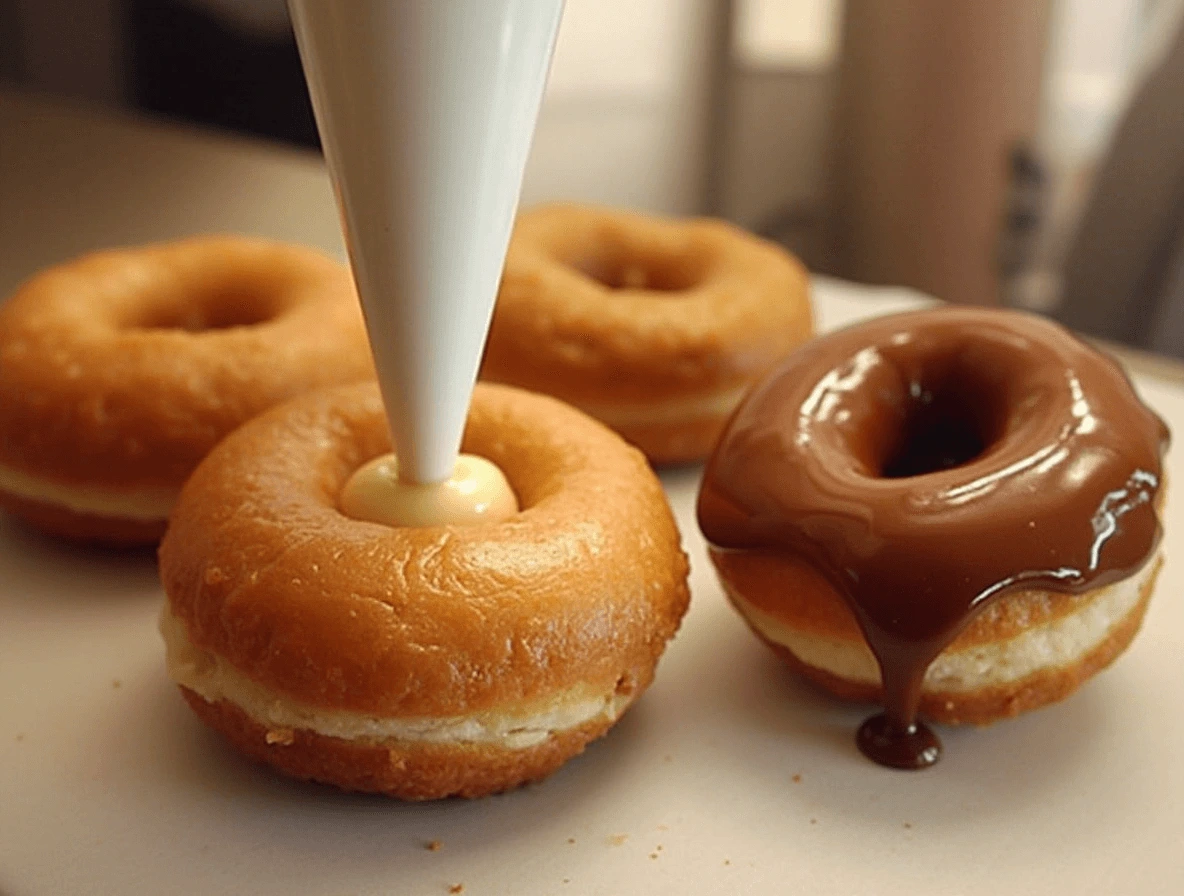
(1020,152)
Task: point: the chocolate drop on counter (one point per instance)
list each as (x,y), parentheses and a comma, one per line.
(927,464)
(882,740)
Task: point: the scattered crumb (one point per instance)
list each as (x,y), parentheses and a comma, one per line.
(571,839)
(727,861)
(658,847)
(667,758)
(663,827)
(908,825)
(456,888)
(797,779)
(813,821)
(433,845)
(567,880)
(617,839)
(653,855)
(283,736)
(116,683)
(19,738)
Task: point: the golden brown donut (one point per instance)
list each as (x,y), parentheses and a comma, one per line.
(654,326)
(120,370)
(418,662)
(953,511)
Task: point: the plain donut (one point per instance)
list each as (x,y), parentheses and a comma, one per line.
(654,326)
(120,370)
(419,662)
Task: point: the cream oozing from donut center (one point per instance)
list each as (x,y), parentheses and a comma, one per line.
(476,492)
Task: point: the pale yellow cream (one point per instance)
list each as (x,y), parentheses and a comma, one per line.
(477,492)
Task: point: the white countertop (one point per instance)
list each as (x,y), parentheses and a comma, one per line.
(729,776)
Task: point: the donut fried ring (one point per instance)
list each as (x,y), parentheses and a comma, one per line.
(419,662)
(953,510)
(120,370)
(655,327)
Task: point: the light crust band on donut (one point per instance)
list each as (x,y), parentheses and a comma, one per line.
(215,680)
(145,505)
(1050,645)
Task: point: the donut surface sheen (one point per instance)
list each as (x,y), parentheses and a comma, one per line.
(954,511)
(419,662)
(121,369)
(654,326)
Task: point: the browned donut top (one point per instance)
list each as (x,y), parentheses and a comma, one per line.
(124,367)
(582,586)
(601,306)
(928,462)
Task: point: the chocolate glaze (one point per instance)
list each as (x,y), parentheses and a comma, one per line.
(927,463)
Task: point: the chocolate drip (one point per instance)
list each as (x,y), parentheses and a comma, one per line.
(928,463)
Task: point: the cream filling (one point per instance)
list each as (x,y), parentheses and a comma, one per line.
(678,410)
(1052,645)
(214,679)
(142,505)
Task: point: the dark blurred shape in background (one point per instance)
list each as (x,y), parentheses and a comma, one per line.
(195,62)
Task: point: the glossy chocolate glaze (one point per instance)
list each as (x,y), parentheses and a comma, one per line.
(927,463)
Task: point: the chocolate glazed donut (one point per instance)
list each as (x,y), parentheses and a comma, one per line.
(928,464)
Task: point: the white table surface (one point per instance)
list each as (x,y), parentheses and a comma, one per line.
(728,776)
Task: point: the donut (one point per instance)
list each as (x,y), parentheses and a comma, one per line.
(418,661)
(654,326)
(121,369)
(954,512)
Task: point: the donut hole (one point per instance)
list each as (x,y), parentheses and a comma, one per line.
(202,313)
(943,424)
(657,271)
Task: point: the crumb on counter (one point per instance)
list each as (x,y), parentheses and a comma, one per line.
(908,825)
(571,839)
(797,779)
(19,738)
(653,855)
(456,888)
(813,821)
(282,736)
(433,846)
(617,839)
(116,683)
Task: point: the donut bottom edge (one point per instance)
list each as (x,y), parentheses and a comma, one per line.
(62,522)
(403,770)
(992,702)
